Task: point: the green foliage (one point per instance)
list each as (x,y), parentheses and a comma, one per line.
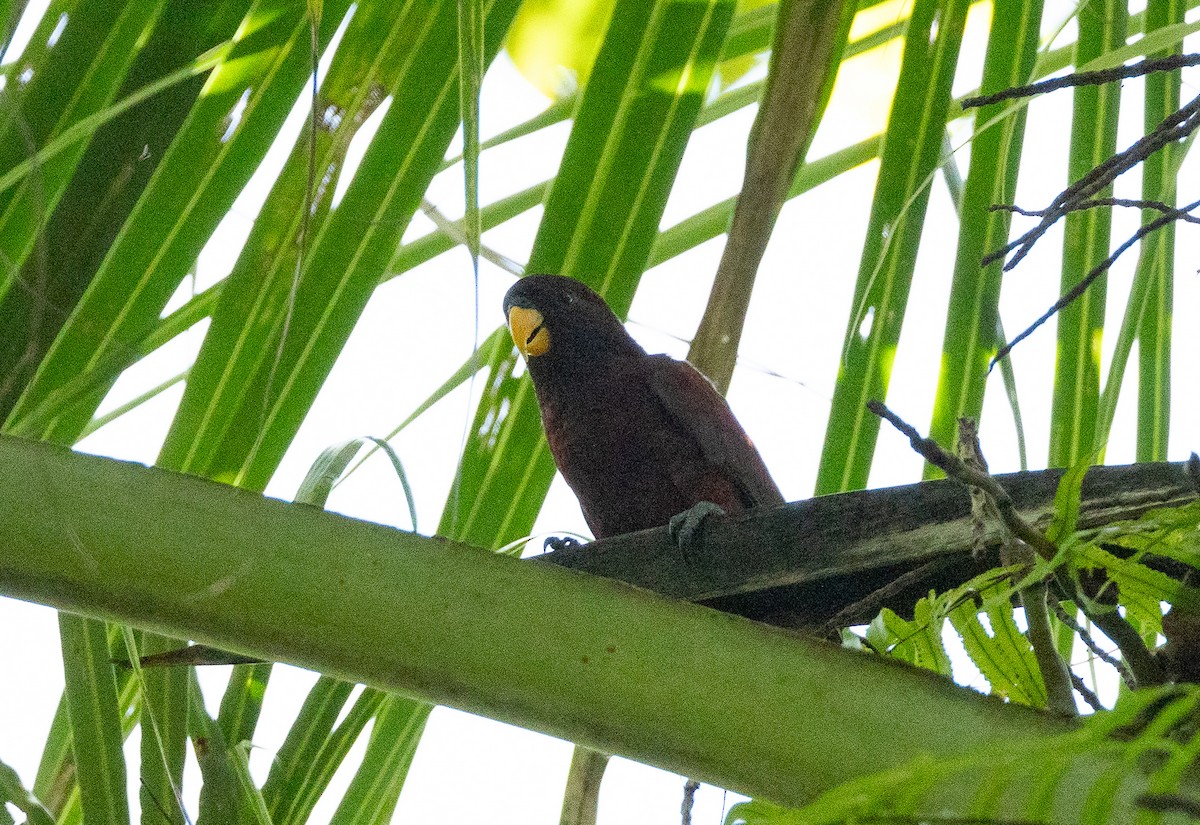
(1086,244)
(1017,781)
(973,316)
(1173,532)
(1004,656)
(918,642)
(1131,555)
(14,792)
(666,682)
(1123,549)
(999,649)
(911,152)
(91,694)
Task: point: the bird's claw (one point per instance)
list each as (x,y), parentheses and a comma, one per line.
(686,527)
(559,543)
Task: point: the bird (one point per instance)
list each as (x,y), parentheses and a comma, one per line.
(642,440)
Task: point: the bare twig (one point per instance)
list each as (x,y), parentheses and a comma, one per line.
(1087,280)
(1157,206)
(969,451)
(875,598)
(1143,669)
(1097,651)
(1086,692)
(956,468)
(1173,128)
(1144,67)
(1056,674)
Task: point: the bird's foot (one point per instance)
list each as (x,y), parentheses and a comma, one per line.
(687,527)
(559,543)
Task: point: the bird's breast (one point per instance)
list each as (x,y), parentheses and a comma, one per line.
(630,465)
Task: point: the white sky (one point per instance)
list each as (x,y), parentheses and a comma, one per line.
(470,770)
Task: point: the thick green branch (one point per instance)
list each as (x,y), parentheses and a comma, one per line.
(713,696)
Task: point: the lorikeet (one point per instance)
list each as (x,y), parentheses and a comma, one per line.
(640,438)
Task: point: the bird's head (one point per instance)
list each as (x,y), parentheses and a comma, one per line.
(558,320)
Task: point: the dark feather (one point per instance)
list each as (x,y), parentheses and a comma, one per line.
(708,418)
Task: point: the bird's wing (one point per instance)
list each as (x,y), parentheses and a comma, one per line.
(693,402)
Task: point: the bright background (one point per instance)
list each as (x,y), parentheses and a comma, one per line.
(419,329)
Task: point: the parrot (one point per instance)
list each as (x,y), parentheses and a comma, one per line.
(641,439)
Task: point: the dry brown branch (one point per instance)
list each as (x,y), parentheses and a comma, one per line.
(957,469)
(1086,192)
(874,600)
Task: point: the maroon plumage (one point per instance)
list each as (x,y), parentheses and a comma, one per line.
(639,438)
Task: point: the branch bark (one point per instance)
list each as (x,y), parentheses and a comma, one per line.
(715,697)
(805,562)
